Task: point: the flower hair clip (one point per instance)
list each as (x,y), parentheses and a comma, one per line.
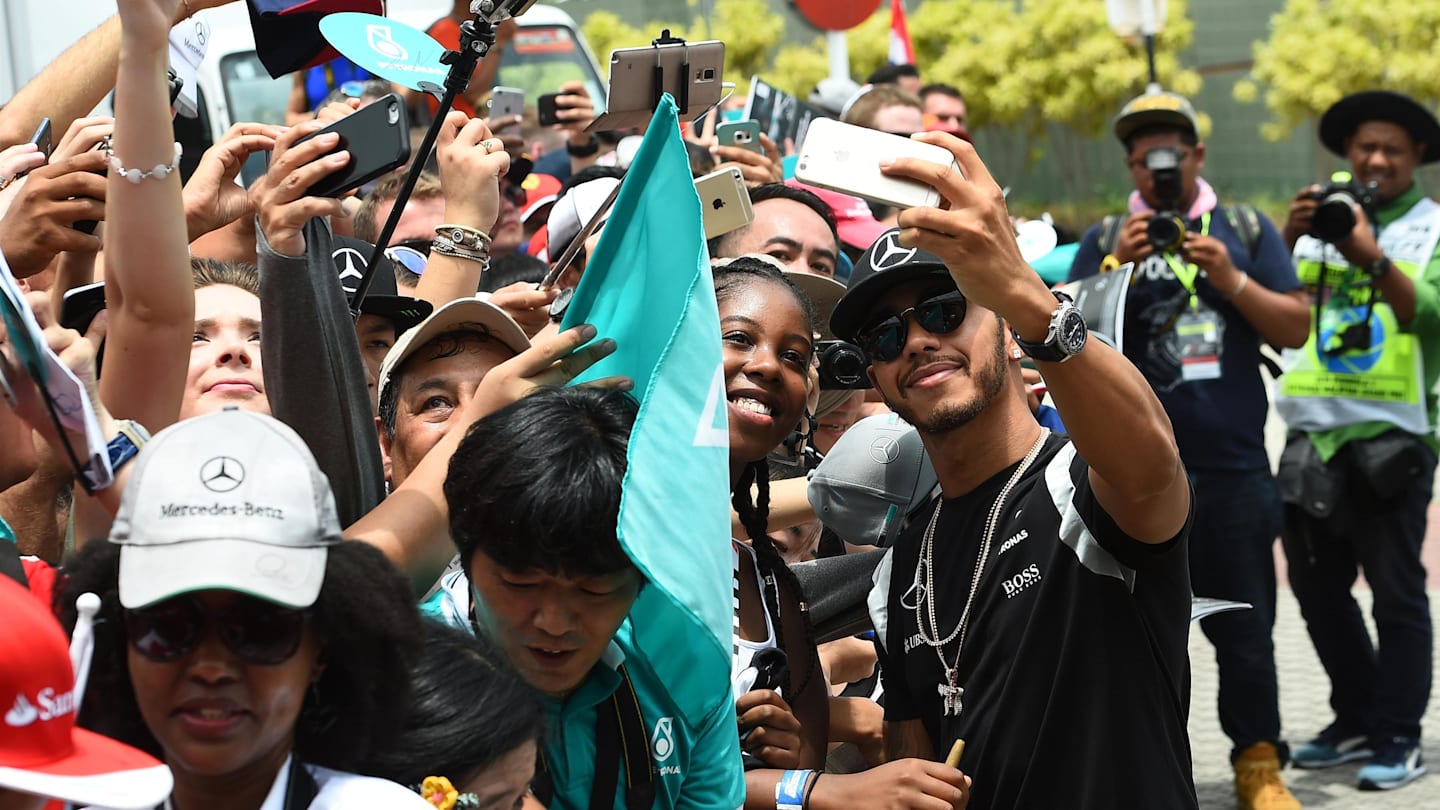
(438,791)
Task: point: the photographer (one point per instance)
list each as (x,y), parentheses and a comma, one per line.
(1360,402)
(1211,282)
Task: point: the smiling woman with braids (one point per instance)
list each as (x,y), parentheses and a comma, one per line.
(766,325)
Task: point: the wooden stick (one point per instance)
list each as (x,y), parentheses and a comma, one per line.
(956,751)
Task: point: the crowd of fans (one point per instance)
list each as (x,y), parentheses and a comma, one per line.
(367,556)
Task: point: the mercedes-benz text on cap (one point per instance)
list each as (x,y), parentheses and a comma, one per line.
(230,500)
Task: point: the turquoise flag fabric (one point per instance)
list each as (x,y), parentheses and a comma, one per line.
(648,286)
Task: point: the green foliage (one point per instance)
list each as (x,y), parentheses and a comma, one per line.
(798,68)
(1032,63)
(1320,51)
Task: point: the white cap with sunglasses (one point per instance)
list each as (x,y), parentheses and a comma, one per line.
(230,500)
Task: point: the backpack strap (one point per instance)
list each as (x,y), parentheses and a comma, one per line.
(1245,221)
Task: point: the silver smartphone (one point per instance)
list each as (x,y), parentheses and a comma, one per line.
(692,73)
(507,101)
(846,158)
(724,201)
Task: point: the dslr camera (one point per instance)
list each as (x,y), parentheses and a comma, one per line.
(1166,229)
(1335,215)
(842,366)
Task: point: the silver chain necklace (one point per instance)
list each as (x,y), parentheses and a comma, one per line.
(950,691)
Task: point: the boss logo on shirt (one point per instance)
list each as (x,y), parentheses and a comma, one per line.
(1028,576)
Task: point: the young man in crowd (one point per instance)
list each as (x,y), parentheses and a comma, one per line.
(1048,587)
(534,496)
(944,109)
(1211,282)
(1360,400)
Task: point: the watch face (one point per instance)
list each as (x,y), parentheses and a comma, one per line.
(1073,332)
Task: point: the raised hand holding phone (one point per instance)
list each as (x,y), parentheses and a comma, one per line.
(281,202)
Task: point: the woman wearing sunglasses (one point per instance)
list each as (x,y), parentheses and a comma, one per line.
(240,638)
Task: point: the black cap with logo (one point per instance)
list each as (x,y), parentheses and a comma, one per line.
(350,255)
(886,264)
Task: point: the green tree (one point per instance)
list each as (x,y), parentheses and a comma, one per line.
(1319,52)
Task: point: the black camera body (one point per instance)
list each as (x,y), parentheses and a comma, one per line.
(1166,229)
(842,366)
(1335,215)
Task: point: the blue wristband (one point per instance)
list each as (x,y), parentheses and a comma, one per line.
(790,790)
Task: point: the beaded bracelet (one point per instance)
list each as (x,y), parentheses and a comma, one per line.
(160,172)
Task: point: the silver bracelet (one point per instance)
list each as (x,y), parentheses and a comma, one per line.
(160,172)
(445,247)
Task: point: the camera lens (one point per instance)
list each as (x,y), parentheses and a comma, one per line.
(842,366)
(1166,232)
(1334,217)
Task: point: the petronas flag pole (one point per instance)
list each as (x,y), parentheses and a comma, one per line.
(648,286)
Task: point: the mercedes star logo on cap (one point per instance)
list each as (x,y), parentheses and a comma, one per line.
(352,263)
(222,474)
(888,252)
(884,449)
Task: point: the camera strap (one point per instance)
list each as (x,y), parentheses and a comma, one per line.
(1187,272)
(619,730)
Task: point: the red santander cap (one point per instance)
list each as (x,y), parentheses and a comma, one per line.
(41,750)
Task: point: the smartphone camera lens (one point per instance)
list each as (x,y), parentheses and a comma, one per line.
(393,113)
(707,75)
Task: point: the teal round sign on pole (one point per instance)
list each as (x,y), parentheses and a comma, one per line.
(391,50)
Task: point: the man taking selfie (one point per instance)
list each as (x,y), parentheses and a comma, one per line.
(1211,282)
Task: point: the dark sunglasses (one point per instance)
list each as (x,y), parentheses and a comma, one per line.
(256,631)
(513,192)
(940,315)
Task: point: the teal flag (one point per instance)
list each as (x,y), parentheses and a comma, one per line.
(648,286)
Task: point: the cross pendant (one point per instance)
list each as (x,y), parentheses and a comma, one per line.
(950,698)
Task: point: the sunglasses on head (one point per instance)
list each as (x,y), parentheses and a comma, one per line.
(256,631)
(939,315)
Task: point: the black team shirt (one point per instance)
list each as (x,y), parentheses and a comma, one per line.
(1075,670)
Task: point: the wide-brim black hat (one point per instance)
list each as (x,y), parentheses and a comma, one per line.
(1346,115)
(885,265)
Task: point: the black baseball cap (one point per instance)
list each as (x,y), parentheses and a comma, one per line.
(350,256)
(886,264)
(1346,115)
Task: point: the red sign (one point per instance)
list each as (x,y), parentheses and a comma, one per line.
(837,15)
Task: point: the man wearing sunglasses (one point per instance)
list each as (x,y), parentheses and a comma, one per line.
(1198,309)
(1039,609)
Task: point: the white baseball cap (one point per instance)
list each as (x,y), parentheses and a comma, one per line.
(230,500)
(460,315)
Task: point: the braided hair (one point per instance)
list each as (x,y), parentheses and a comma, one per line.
(754,512)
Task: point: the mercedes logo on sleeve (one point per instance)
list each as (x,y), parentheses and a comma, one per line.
(888,252)
(222,474)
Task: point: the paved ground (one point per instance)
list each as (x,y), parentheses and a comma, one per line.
(1304,691)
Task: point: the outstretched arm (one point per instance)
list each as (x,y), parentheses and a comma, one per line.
(1110,411)
(148,291)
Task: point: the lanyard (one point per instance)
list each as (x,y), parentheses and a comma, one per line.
(1186,272)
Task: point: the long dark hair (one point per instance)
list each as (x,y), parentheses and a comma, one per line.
(754,511)
(365,616)
(468,708)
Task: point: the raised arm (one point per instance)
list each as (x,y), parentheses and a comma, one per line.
(1110,411)
(471,162)
(148,291)
(77,81)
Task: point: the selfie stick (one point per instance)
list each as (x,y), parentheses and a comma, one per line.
(477,37)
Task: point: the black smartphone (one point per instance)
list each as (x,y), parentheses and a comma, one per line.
(377,136)
(42,138)
(547,112)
